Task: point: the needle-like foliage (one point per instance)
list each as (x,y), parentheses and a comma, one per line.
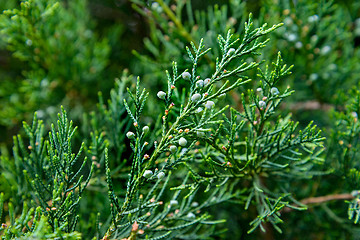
(211,146)
(208,142)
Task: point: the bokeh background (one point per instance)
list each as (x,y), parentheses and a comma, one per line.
(67,55)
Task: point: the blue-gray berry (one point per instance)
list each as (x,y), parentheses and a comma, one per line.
(160,175)
(200,83)
(172,148)
(196,97)
(145,129)
(130,135)
(274,91)
(174,202)
(200,134)
(161,94)
(186,75)
(209,104)
(262,104)
(148,173)
(231,51)
(182,142)
(207,81)
(199,110)
(194,204)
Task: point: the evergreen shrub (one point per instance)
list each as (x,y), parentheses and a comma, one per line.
(210,141)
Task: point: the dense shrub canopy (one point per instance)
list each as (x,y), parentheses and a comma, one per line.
(179,119)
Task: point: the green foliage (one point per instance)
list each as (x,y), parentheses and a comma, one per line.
(320,42)
(37,229)
(212,143)
(109,122)
(60,54)
(166,24)
(265,151)
(343,152)
(54,175)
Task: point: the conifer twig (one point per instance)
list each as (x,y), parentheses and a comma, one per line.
(178,23)
(322,199)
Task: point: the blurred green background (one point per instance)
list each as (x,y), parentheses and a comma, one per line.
(70,53)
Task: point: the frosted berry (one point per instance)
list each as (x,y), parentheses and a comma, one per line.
(207,81)
(161,175)
(200,83)
(130,135)
(209,104)
(194,204)
(231,51)
(145,129)
(199,110)
(196,97)
(186,75)
(148,174)
(182,142)
(172,148)
(174,202)
(200,134)
(161,94)
(262,104)
(274,91)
